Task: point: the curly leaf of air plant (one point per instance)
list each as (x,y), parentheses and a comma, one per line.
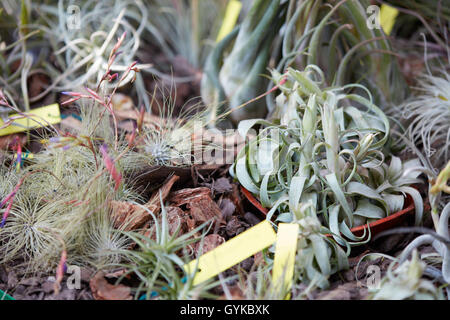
(109,164)
(325,144)
(429,112)
(440,244)
(406,282)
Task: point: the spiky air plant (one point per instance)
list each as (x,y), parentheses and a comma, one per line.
(81,35)
(237,76)
(406,282)
(159,259)
(169,140)
(325,145)
(66,202)
(428,112)
(63,195)
(184,31)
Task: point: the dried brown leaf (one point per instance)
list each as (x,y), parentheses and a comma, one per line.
(102,290)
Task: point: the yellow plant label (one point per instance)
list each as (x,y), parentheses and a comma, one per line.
(232,252)
(39,117)
(388,15)
(285,250)
(229,21)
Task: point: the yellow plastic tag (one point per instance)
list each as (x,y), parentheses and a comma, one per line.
(387,18)
(232,252)
(39,117)
(285,250)
(229,21)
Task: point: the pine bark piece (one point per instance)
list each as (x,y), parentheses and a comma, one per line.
(202,208)
(102,290)
(210,242)
(128,216)
(8,142)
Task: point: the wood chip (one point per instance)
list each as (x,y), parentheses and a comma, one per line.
(210,242)
(102,290)
(7,142)
(128,216)
(202,208)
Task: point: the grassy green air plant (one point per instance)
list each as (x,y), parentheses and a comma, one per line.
(335,36)
(159,259)
(236,76)
(22,51)
(52,200)
(324,146)
(184,30)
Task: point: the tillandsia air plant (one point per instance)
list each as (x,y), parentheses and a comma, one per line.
(335,36)
(183,30)
(159,259)
(440,238)
(406,282)
(325,146)
(63,195)
(21,51)
(258,284)
(432,15)
(168,140)
(428,112)
(236,76)
(318,256)
(81,35)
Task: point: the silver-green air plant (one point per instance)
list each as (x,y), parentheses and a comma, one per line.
(438,238)
(325,146)
(406,282)
(335,36)
(236,76)
(82,40)
(318,256)
(428,112)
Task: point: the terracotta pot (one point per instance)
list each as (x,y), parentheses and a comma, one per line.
(376,227)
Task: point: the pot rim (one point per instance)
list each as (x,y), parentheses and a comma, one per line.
(408,208)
